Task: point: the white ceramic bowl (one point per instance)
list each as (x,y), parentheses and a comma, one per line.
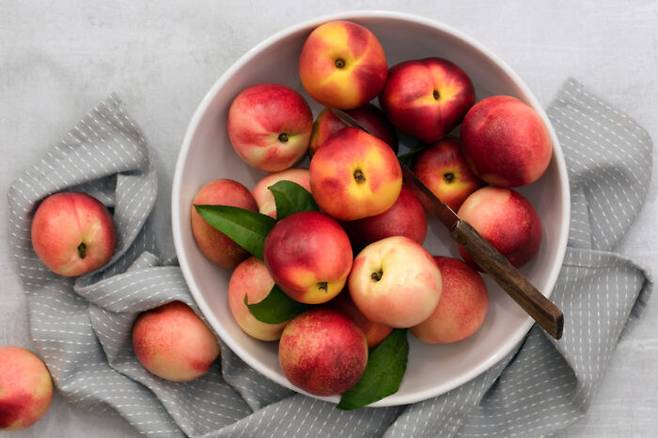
(206,154)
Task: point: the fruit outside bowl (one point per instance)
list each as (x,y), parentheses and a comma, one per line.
(207,154)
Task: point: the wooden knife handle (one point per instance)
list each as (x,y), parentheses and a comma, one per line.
(540,308)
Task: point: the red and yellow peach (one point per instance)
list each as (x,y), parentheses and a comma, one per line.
(462,308)
(73,234)
(507,220)
(173,343)
(374,332)
(369,117)
(26,389)
(342,65)
(405,218)
(252,280)
(506,142)
(427,98)
(263,195)
(269,126)
(323,352)
(444,170)
(395,282)
(355,175)
(309,256)
(215,245)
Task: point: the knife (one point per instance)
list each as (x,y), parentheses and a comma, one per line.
(488,258)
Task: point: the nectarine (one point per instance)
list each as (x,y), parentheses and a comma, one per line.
(427,98)
(252,279)
(215,245)
(355,175)
(263,195)
(444,170)
(269,126)
(368,117)
(26,389)
(462,307)
(323,352)
(73,233)
(405,218)
(395,282)
(309,256)
(506,142)
(507,220)
(173,343)
(374,332)
(342,65)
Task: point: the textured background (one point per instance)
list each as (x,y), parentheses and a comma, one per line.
(57,59)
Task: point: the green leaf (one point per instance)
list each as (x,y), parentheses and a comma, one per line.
(387,363)
(290,198)
(245,227)
(276,307)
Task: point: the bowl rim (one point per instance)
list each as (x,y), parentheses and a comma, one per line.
(393,400)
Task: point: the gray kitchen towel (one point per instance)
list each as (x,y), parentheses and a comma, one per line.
(81,327)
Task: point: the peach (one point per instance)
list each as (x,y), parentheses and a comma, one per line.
(342,65)
(173,343)
(405,218)
(323,352)
(462,307)
(444,170)
(263,195)
(269,126)
(369,117)
(506,142)
(395,282)
(355,175)
(375,332)
(309,256)
(507,220)
(215,245)
(252,279)
(427,98)
(26,389)
(73,234)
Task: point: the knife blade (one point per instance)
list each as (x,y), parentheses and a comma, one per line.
(488,258)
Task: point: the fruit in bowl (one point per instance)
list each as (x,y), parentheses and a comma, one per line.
(395,282)
(251,282)
(263,195)
(309,255)
(342,65)
(269,126)
(462,308)
(323,352)
(215,245)
(205,155)
(507,220)
(355,175)
(406,217)
(427,98)
(506,142)
(368,116)
(375,332)
(442,167)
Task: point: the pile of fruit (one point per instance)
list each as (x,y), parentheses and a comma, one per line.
(337,271)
